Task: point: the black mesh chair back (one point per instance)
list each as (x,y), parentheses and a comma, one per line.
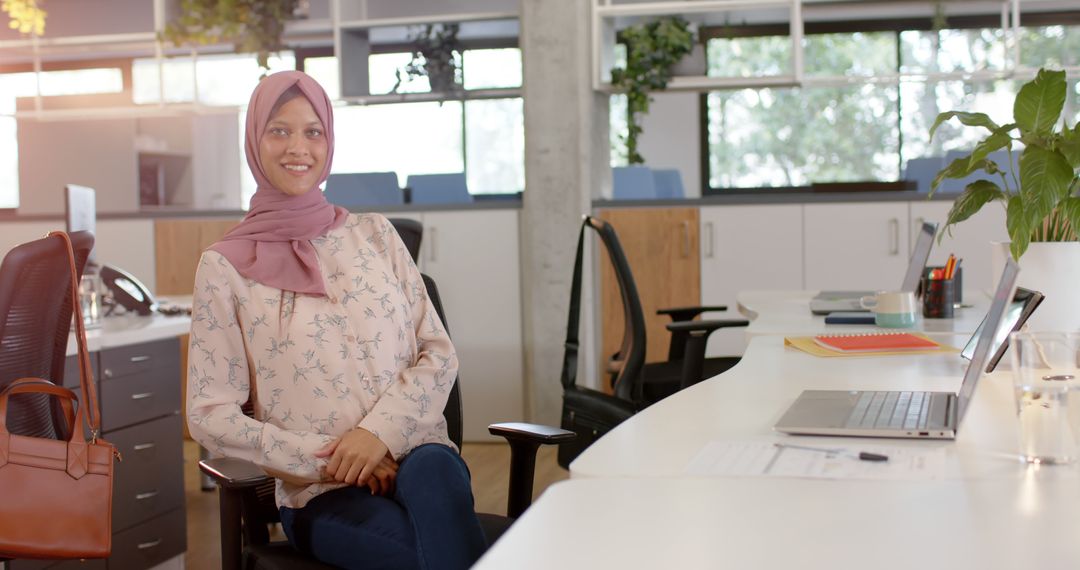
(35,321)
(411,232)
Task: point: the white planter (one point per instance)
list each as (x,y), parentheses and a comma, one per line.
(1052,268)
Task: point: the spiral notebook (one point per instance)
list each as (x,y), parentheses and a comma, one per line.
(875,342)
(867,344)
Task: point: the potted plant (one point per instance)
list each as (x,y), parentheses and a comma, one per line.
(436,55)
(26,16)
(652,49)
(250,25)
(1038,189)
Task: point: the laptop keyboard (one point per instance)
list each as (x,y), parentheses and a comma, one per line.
(891,410)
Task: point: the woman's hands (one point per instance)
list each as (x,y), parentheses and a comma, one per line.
(359,458)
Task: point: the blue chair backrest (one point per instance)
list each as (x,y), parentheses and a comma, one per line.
(922,171)
(1001,157)
(364,189)
(633,183)
(438,188)
(668,184)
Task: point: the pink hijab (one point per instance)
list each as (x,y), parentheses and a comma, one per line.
(272,244)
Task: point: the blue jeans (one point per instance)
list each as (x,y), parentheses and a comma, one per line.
(429,523)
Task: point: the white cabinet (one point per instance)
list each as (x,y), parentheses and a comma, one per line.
(969,240)
(856,245)
(747,247)
(473,256)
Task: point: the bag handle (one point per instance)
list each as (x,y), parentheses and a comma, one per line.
(86,375)
(68,401)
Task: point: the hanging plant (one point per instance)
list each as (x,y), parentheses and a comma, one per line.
(252,26)
(651,50)
(436,55)
(27,16)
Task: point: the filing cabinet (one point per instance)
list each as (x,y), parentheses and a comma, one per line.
(139,392)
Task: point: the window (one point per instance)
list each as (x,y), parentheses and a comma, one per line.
(53,83)
(485,138)
(222,79)
(796,136)
(842,125)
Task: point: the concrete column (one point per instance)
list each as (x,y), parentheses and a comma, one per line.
(566,164)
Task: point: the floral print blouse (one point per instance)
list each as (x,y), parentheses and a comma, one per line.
(373,354)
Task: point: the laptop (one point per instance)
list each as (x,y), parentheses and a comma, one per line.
(935,415)
(827,302)
(1024,302)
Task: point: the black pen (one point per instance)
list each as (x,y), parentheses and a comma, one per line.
(861,456)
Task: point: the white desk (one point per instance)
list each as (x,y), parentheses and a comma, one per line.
(746,401)
(630,503)
(132,329)
(788,313)
(795,524)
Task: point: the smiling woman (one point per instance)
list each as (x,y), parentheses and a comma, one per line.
(293,149)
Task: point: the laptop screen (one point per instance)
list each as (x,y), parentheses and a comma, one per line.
(1023,303)
(919,255)
(975,368)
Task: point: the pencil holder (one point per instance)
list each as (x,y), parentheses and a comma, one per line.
(958,288)
(938,298)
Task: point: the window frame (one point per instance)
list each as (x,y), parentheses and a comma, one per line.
(896,26)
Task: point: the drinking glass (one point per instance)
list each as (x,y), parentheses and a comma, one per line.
(1045,373)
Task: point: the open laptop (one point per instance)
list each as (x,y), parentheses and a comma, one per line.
(899,414)
(1024,302)
(831,301)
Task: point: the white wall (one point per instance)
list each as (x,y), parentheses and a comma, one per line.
(128,244)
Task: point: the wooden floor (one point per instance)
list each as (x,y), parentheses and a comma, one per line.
(488,462)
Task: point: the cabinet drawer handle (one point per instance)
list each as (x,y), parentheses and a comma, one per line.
(151,544)
(686,239)
(144,446)
(142,396)
(137,359)
(108,373)
(709,240)
(146,495)
(894,235)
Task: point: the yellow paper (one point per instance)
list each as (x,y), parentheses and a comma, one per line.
(807,344)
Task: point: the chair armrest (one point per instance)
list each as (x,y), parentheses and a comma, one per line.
(524,440)
(541,434)
(687,313)
(231,473)
(705,326)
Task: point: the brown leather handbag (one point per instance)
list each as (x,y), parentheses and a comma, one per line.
(57,495)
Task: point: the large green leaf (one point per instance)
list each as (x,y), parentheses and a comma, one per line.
(1019,227)
(1069,145)
(975,196)
(958,168)
(997,140)
(1071,208)
(1045,176)
(1039,103)
(969,119)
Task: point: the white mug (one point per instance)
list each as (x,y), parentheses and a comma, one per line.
(893,309)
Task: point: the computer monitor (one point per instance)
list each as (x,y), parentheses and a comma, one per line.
(80,213)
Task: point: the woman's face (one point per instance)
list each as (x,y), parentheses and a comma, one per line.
(293,148)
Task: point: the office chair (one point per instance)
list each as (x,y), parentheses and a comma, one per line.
(636,384)
(922,171)
(411,232)
(669,184)
(35,320)
(438,188)
(357,189)
(247,494)
(632,183)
